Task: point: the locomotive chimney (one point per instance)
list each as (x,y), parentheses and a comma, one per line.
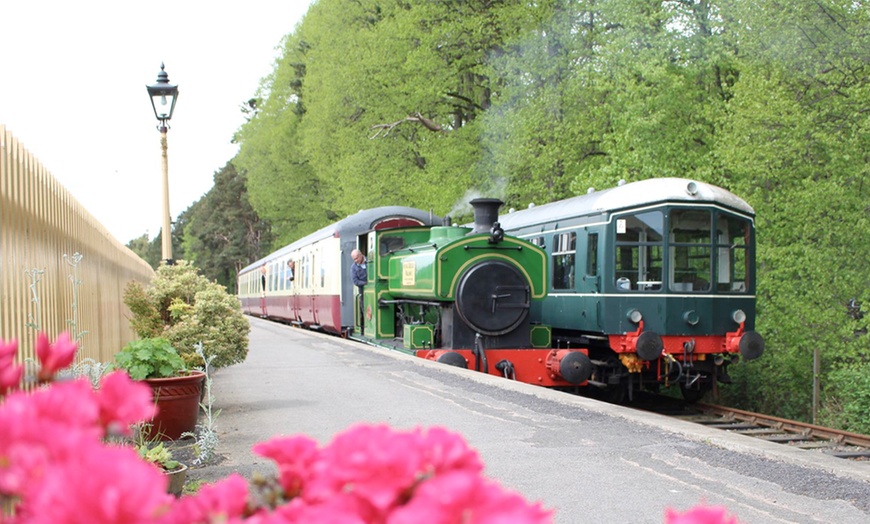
(485,214)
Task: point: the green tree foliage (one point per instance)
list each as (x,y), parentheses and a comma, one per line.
(152,251)
(222,233)
(423,102)
(147,251)
(795,142)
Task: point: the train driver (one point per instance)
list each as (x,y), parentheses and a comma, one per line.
(358,276)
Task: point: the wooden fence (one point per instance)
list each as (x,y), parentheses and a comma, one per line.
(60,269)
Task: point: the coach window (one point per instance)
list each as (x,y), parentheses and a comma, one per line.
(691,250)
(564,248)
(639,249)
(732,261)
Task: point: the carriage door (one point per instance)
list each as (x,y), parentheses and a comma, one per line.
(589,286)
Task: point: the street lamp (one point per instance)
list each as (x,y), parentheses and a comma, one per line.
(163,96)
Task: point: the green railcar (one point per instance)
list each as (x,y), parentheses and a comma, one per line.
(655,278)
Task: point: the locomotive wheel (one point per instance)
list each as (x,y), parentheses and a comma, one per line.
(452,358)
(493,298)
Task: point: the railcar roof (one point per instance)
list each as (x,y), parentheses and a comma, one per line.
(364,220)
(634,194)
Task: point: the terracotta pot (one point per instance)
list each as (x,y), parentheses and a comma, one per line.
(177,401)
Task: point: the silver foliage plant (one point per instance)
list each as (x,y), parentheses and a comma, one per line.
(205,435)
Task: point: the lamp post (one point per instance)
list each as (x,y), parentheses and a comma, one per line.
(163,96)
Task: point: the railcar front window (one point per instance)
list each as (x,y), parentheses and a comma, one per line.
(564,249)
(691,250)
(639,250)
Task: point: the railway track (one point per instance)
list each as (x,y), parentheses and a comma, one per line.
(834,442)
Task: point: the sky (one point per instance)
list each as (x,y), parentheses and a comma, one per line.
(73,92)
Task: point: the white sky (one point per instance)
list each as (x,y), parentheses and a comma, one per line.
(104,147)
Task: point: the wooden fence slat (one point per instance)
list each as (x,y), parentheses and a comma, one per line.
(42,227)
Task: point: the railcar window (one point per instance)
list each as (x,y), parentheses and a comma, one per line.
(564,249)
(691,250)
(538,241)
(732,261)
(639,251)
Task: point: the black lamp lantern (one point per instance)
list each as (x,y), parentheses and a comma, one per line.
(163,97)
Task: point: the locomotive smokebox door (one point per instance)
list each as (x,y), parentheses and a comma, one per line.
(493,298)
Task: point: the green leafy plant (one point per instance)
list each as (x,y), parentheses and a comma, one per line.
(150,358)
(186,308)
(157,453)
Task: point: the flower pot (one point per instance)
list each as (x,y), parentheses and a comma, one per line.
(177,400)
(177,478)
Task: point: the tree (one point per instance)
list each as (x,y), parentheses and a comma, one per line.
(425,103)
(223,234)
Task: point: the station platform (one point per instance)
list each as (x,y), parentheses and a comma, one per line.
(589,461)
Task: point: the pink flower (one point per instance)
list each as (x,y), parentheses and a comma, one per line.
(218,502)
(463,496)
(10,372)
(54,357)
(294,457)
(100,485)
(123,402)
(343,508)
(447,451)
(40,428)
(377,463)
(700,515)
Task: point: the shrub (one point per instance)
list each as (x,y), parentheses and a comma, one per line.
(186,308)
(847,403)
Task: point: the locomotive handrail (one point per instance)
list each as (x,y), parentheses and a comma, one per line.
(384,302)
(490,247)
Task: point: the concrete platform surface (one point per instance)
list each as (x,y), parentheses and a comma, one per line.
(590,462)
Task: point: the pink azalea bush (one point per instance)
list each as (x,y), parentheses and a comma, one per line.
(57,467)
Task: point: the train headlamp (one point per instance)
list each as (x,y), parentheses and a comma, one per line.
(634,316)
(738,316)
(692,188)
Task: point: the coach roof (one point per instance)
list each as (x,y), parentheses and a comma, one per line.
(635,194)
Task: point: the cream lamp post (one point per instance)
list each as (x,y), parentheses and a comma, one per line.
(163,96)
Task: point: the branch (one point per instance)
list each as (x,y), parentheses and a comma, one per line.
(384,129)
